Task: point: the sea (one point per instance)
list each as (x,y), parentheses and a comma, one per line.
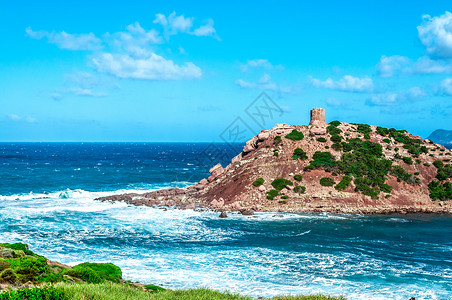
(47,193)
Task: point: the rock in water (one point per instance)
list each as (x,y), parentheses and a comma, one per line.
(223,215)
(247,212)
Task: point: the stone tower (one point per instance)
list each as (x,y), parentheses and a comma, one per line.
(317,117)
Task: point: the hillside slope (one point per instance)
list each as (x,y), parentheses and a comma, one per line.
(336,167)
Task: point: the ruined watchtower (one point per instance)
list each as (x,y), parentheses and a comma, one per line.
(317,117)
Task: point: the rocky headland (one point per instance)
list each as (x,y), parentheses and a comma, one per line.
(337,167)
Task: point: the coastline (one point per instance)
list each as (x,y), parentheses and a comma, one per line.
(183,199)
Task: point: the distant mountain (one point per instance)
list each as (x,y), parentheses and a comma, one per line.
(441,136)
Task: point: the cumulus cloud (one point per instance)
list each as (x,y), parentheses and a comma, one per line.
(17,118)
(436,35)
(347,83)
(396,98)
(206,30)
(153,67)
(135,40)
(445,87)
(174,24)
(390,66)
(265,83)
(259,63)
(66,40)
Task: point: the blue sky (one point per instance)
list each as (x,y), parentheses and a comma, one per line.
(179,71)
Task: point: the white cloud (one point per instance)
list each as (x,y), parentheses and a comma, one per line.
(206,30)
(445,87)
(265,83)
(392,65)
(173,24)
(396,98)
(347,83)
(66,40)
(259,63)
(135,41)
(436,35)
(395,65)
(425,65)
(154,67)
(17,118)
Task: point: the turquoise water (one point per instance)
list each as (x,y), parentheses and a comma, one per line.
(46,200)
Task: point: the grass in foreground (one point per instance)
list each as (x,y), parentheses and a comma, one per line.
(112,291)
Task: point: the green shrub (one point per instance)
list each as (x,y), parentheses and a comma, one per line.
(402,175)
(416,173)
(280,183)
(276,140)
(29,268)
(337,146)
(275,153)
(418,161)
(364,129)
(427,164)
(335,138)
(327,181)
(439,191)
(8,276)
(285,197)
(18,246)
(282,201)
(407,160)
(258,182)
(295,135)
(335,123)
(321,139)
(298,153)
(382,131)
(298,177)
(4,265)
(299,189)
(154,288)
(106,271)
(438,164)
(344,183)
(387,141)
(444,172)
(331,129)
(323,160)
(84,273)
(41,293)
(385,188)
(271,194)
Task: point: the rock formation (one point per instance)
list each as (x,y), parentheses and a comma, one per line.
(406,166)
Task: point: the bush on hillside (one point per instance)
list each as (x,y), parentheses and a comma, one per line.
(280,183)
(298,153)
(327,181)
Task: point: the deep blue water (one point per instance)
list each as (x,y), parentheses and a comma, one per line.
(46,200)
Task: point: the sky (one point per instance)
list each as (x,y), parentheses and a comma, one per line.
(180,71)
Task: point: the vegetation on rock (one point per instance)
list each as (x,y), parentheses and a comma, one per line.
(280,183)
(299,189)
(258,182)
(298,177)
(298,153)
(295,135)
(327,181)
